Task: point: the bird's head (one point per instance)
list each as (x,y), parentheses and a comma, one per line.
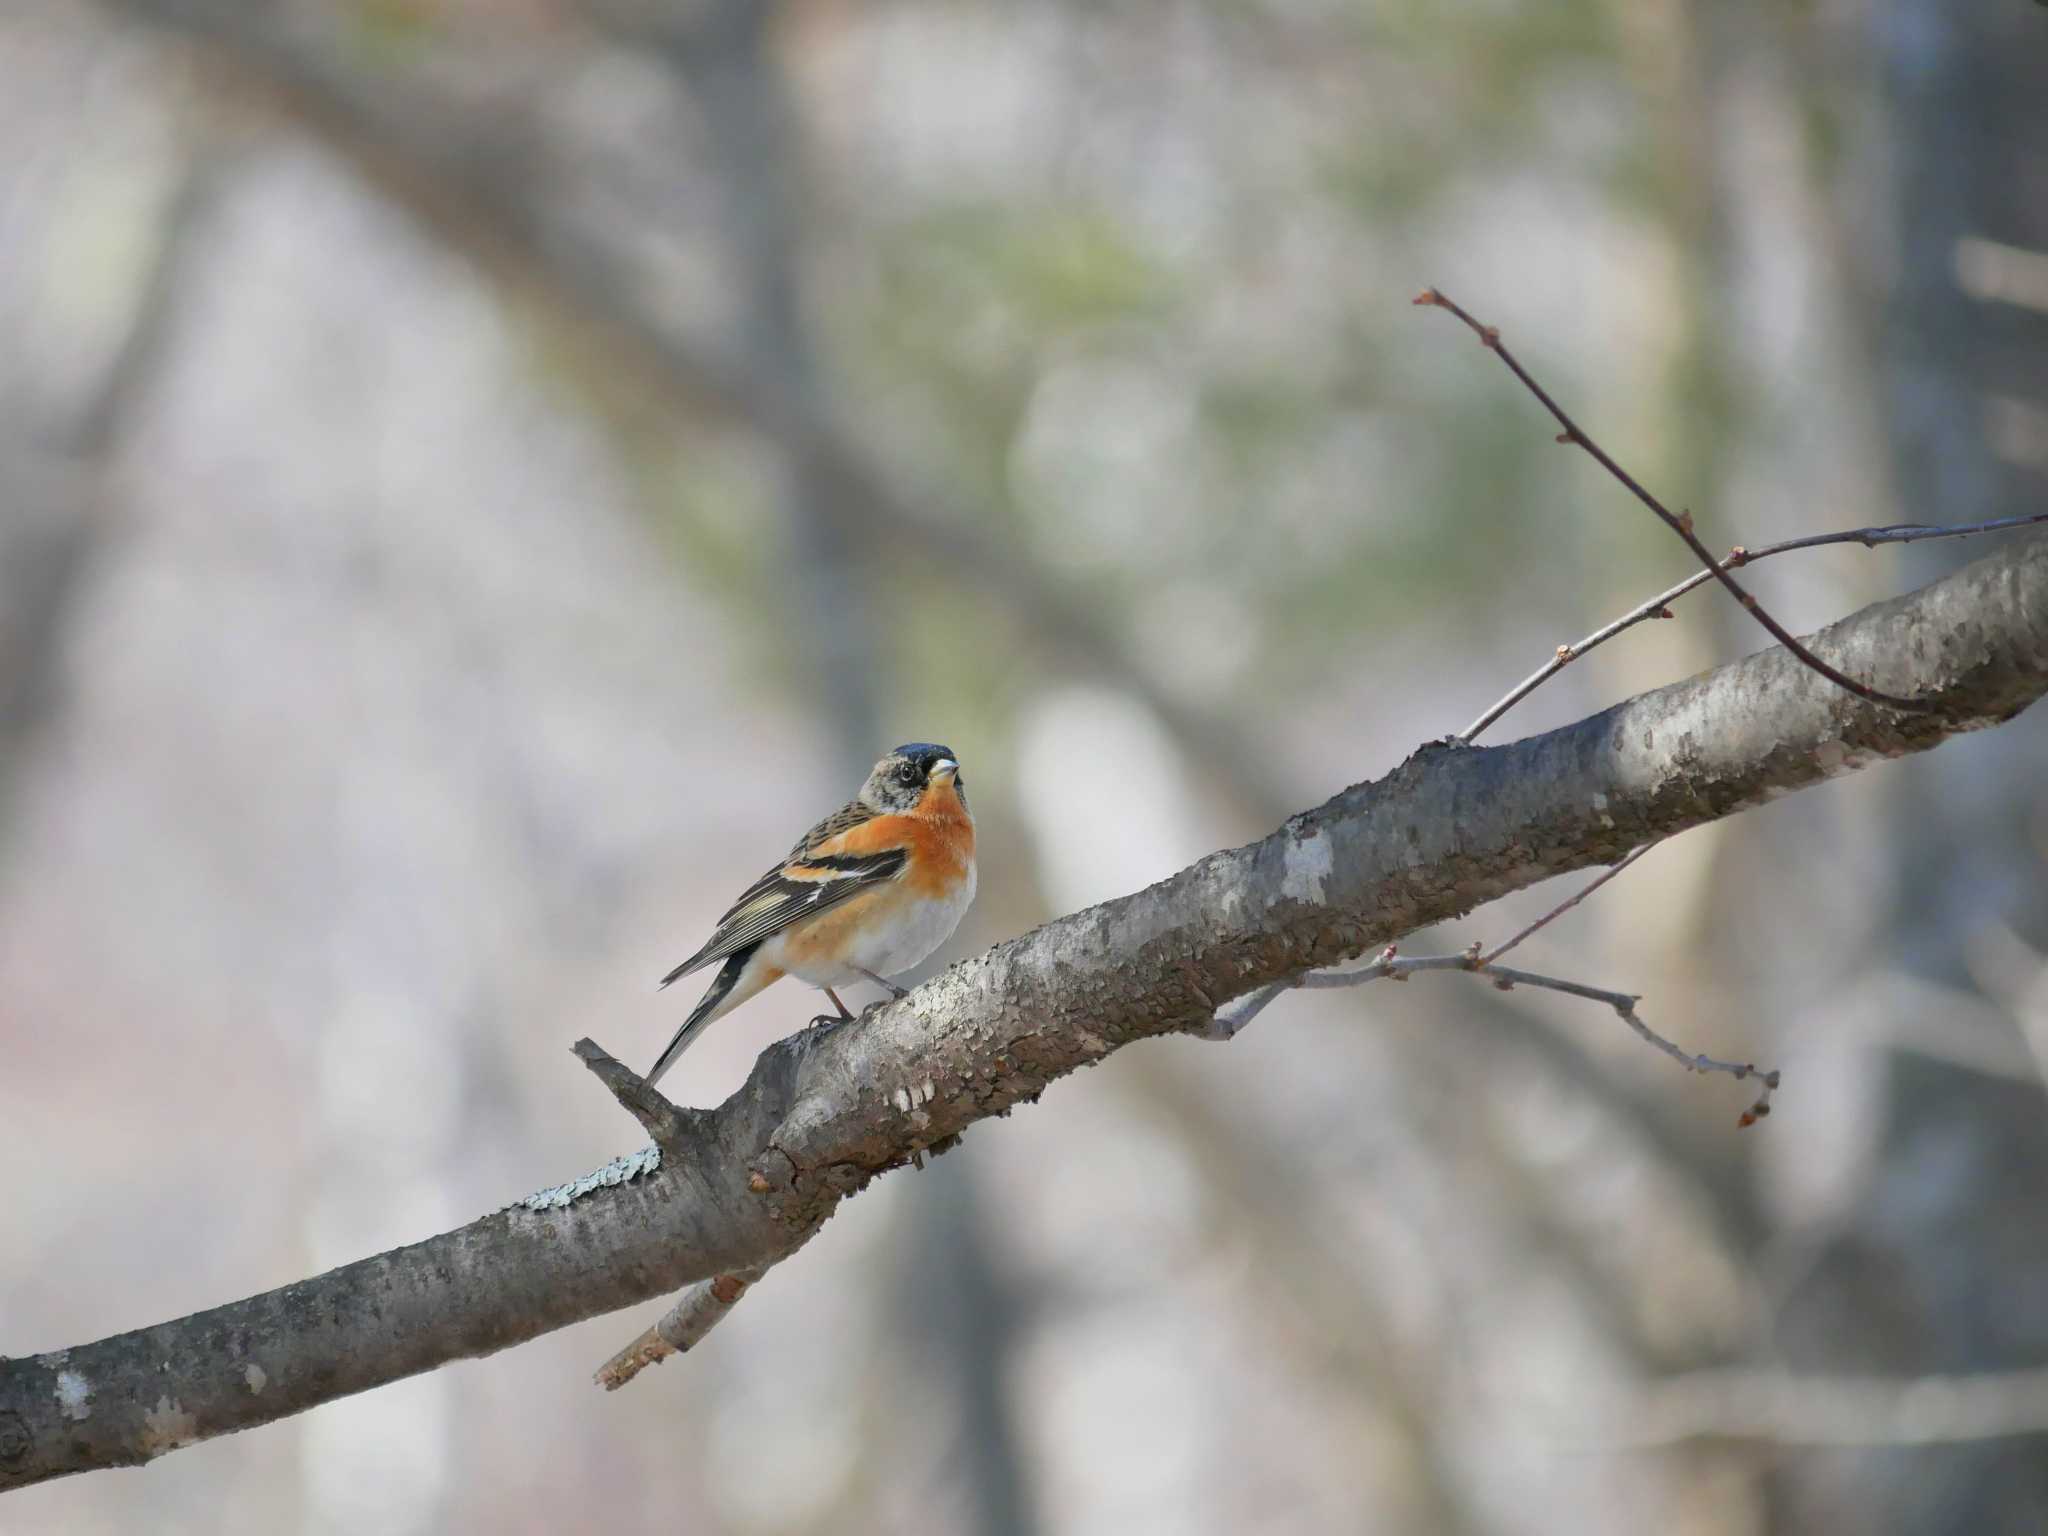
(902,780)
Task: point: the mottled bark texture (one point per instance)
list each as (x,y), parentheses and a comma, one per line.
(741,1187)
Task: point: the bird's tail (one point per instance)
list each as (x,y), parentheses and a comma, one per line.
(736,981)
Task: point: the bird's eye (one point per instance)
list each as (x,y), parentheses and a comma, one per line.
(906,773)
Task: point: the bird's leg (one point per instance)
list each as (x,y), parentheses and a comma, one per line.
(844,1012)
(886,985)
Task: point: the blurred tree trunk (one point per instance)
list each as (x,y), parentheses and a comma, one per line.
(724,53)
(1940,1270)
(57,517)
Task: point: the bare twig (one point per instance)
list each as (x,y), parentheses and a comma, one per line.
(697,1311)
(1566,905)
(1390,966)
(1679,523)
(1658,606)
(1890,533)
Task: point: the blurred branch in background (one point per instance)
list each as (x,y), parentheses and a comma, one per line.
(1788,1408)
(1956,1242)
(721,53)
(1329,1307)
(961,1317)
(60,518)
(825,1112)
(454,173)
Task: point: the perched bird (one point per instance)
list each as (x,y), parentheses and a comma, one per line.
(868,892)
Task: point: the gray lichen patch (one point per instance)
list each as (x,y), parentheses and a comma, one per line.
(1305,868)
(620,1170)
(73,1395)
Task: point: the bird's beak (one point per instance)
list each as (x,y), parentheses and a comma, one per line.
(945,765)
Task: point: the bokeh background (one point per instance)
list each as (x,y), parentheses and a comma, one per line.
(477,478)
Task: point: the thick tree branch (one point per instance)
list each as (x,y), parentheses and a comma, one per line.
(826,1111)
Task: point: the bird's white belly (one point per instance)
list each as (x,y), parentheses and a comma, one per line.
(887,946)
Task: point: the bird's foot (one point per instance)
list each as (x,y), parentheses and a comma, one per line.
(887,985)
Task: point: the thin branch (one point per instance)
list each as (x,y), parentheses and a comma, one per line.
(1658,606)
(697,1311)
(1564,906)
(1890,533)
(1678,523)
(1392,966)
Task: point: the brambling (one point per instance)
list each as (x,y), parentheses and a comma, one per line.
(866,893)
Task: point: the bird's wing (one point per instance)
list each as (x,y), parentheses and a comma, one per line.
(833,833)
(822,870)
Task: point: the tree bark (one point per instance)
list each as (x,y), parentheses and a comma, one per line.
(743,1186)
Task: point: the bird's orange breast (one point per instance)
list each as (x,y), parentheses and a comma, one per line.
(938,835)
(941,839)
